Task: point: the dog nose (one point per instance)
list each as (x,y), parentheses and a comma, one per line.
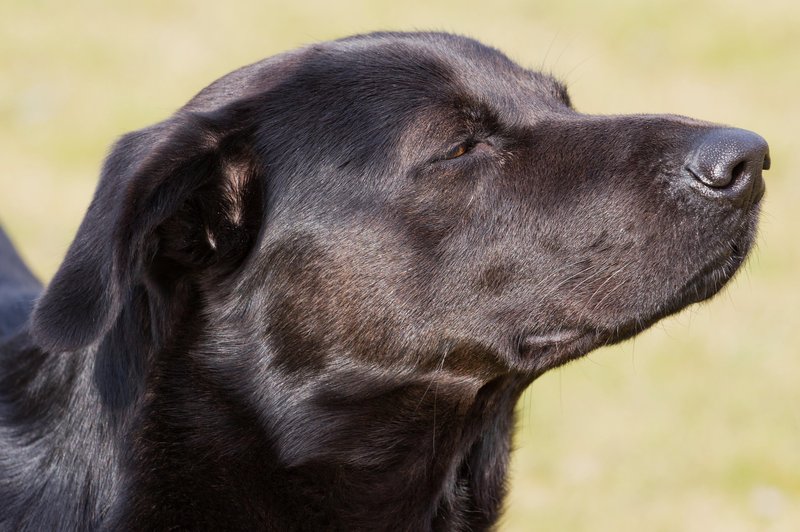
(728,163)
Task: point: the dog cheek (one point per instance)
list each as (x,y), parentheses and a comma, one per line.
(348,301)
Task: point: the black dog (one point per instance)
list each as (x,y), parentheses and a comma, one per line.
(312,297)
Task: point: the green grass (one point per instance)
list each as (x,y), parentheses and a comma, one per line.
(695,426)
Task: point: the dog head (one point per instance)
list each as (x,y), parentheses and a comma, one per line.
(410,202)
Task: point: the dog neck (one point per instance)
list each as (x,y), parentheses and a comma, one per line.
(419,450)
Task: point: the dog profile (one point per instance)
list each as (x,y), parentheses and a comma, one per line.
(310,299)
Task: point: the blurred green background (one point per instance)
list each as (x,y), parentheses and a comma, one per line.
(695,425)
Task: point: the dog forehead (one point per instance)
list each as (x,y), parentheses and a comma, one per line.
(475,71)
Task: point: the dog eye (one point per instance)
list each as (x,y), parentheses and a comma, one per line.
(459,150)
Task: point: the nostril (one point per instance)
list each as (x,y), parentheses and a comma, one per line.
(737,171)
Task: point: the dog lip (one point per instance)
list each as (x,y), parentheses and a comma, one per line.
(540,352)
(537,341)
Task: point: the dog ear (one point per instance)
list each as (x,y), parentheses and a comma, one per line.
(181,197)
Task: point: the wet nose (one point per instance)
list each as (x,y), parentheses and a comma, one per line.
(727,163)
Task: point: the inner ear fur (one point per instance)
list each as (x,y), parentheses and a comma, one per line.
(200,214)
(181,198)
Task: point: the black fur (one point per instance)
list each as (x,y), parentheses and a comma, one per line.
(311,298)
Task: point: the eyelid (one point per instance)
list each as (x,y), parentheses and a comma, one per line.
(460,149)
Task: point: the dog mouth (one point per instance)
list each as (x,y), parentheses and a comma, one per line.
(541,351)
